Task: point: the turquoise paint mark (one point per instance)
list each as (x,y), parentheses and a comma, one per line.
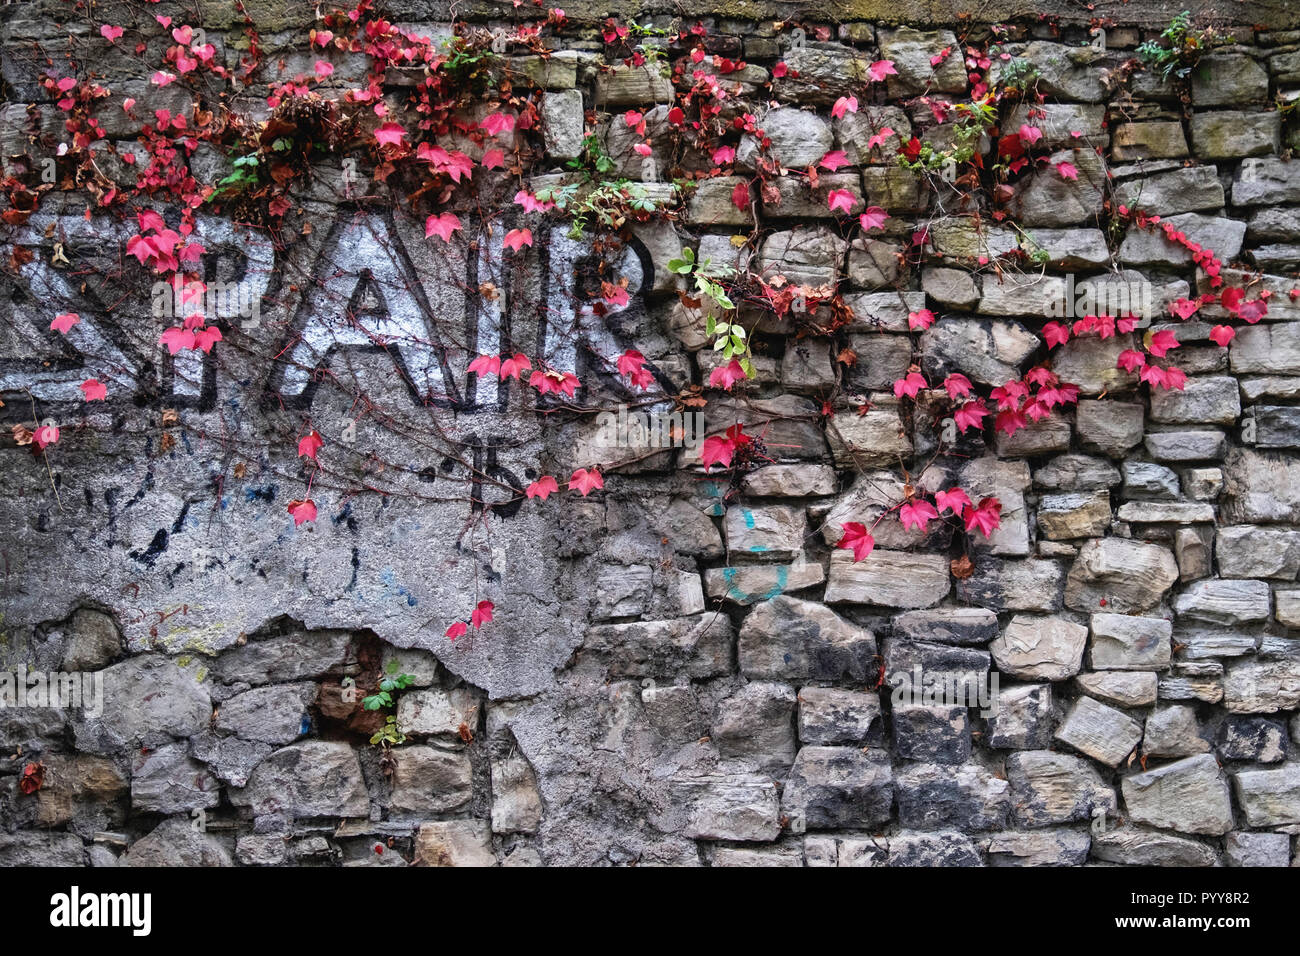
(713,491)
(390,581)
(749,519)
(782,578)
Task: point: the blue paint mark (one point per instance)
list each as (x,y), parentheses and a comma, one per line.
(749,519)
(713,491)
(782,578)
(758,547)
(390,581)
(305,726)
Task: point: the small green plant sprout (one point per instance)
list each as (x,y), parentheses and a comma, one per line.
(1177,51)
(729,338)
(390,735)
(390,683)
(244,177)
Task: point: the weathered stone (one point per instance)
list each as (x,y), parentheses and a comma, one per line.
(1211,399)
(1044,437)
(167,781)
(1266,181)
(820,72)
(965,237)
(894,189)
(888,578)
(789,639)
(953,288)
(1108,427)
(968,797)
(784,855)
(989,477)
(1086,515)
(806,257)
(1257,849)
(1049,788)
(1143,247)
(1190,796)
(757,723)
(942,848)
(699,646)
(1231,134)
(1093,363)
(1040,848)
(1166,512)
(711,203)
(311,779)
(633,85)
(1049,199)
(773,531)
(1103,733)
(882,359)
(935,732)
(1121,688)
(298,655)
(1147,481)
(436,712)
(912,52)
(1173,732)
(740,807)
(917,670)
(428,780)
(834,787)
(516,801)
(1224,602)
(883,311)
(1252,738)
(1190,189)
(1262,686)
(1149,140)
(1069,248)
(1193,680)
(1260,487)
(749,584)
(563,126)
(1059,122)
(1185,446)
(798,199)
(989,352)
(1253,551)
(828,716)
(1135,846)
(1023,720)
(1203,484)
(93,641)
(854,131)
(1040,648)
(1128,575)
(1125,643)
(271,715)
(175,843)
(1269,798)
(1028,585)
(1228,79)
(1075,473)
(148,700)
(454,843)
(948,625)
(798,139)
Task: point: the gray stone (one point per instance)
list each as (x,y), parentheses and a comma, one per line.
(1224,602)
(428,780)
(1149,140)
(1260,487)
(1127,575)
(1262,686)
(739,807)
(463,843)
(853,131)
(1189,795)
(829,715)
(757,723)
(1146,480)
(1135,846)
(798,139)
(933,732)
(1059,122)
(1143,247)
(789,639)
(1109,427)
(771,531)
(311,779)
(1076,473)
(912,52)
(820,72)
(1193,680)
(167,781)
(148,700)
(948,625)
(1257,849)
(633,85)
(1028,585)
(271,715)
(1190,189)
(1040,648)
(1049,199)
(1253,551)
(1044,437)
(435,711)
(835,787)
(297,655)
(1269,798)
(953,288)
(943,848)
(1185,445)
(888,578)
(1049,788)
(711,205)
(1276,426)
(563,125)
(1103,733)
(1038,848)
(749,584)
(989,352)
(1265,181)
(1125,643)
(699,645)
(1173,732)
(968,797)
(93,641)
(807,257)
(1023,720)
(1166,512)
(1228,79)
(874,263)
(1121,688)
(1085,515)
(1210,399)
(1252,738)
(1092,364)
(1231,134)
(175,843)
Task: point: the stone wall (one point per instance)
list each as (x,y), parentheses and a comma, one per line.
(683,667)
